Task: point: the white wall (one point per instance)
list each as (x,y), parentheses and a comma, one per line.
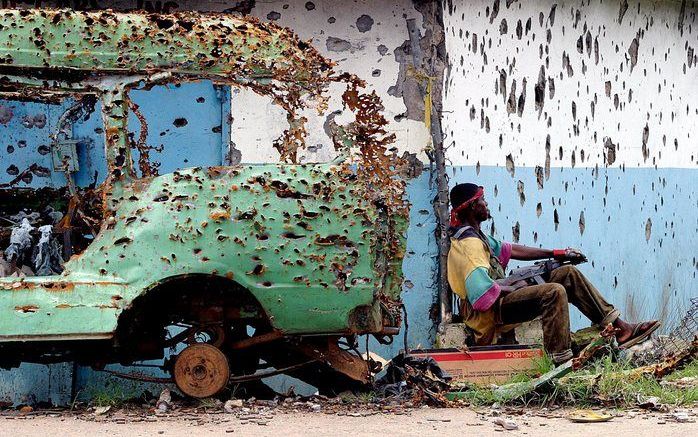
(633,78)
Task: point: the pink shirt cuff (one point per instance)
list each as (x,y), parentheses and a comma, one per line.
(505,254)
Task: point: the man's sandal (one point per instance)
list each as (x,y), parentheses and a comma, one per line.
(639,336)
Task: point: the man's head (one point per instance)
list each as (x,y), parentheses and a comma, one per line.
(468,204)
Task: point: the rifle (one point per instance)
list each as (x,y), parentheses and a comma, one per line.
(538,273)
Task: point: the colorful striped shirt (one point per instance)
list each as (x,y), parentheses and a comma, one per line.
(472,270)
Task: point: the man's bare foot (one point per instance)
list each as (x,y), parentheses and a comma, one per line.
(628,332)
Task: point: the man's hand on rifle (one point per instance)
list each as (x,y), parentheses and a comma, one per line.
(570,254)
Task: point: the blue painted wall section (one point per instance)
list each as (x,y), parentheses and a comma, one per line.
(638,228)
(419,267)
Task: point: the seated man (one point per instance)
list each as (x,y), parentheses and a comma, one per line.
(476,263)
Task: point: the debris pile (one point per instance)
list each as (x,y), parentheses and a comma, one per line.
(678,342)
(417,379)
(41,228)
(25,256)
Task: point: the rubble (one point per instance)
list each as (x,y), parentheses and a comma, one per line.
(418,379)
(232,405)
(18,252)
(46,256)
(507,424)
(164,401)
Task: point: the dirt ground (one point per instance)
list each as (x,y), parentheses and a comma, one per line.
(421,421)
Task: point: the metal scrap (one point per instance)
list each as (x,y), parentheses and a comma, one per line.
(419,380)
(46,256)
(18,252)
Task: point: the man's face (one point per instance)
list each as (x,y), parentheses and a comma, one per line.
(480,209)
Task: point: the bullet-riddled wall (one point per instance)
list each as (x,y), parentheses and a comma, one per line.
(580,119)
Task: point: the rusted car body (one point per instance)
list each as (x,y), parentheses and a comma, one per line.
(301,255)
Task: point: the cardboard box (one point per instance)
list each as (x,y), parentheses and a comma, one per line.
(484,364)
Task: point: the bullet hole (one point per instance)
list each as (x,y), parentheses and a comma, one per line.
(582,223)
(123,240)
(516,232)
(200,100)
(551,88)
(257,270)
(519,29)
(547,157)
(6,114)
(551,16)
(539,209)
(566,65)
(588,43)
(43,149)
(574,111)
(503,83)
(10,149)
(21,144)
(648,229)
(273,16)
(503,27)
(511,101)
(610,148)
(40,171)
(580,45)
(382,49)
(364,23)
(495,11)
(556,219)
(12,170)
(309,6)
(510,165)
(217,129)
(522,99)
(334,44)
(180,122)
(596,50)
(622,10)
(376,72)
(522,192)
(539,176)
(331,20)
(539,91)
(632,51)
(645,138)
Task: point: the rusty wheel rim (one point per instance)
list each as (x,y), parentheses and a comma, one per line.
(201,370)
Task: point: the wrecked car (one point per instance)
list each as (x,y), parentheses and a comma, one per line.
(223,266)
